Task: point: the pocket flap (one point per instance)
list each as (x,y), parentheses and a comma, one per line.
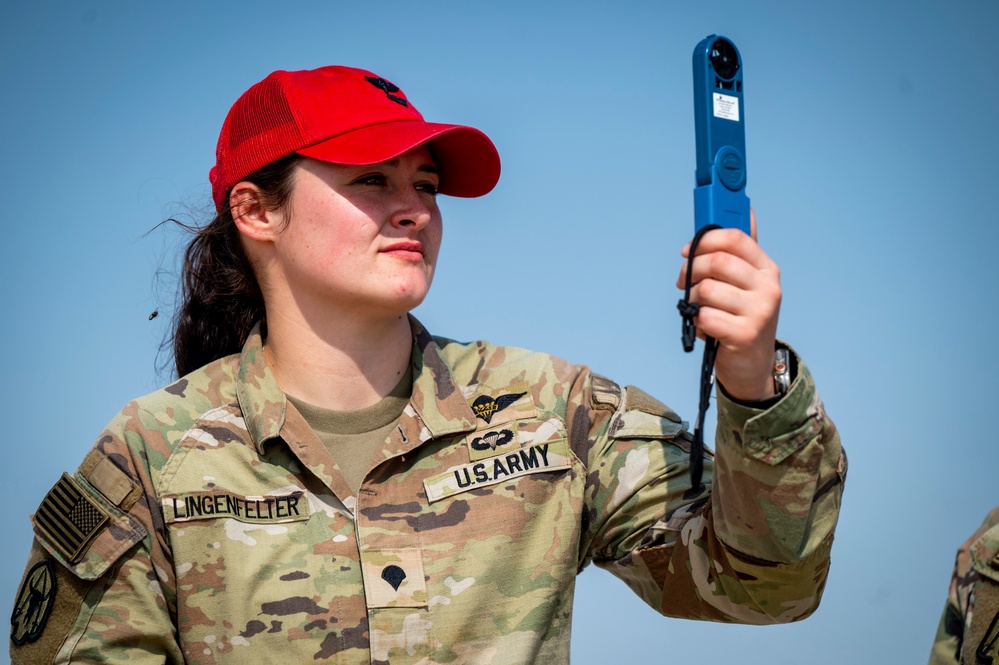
(81,530)
(985,554)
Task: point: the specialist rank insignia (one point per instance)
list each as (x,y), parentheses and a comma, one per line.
(33,604)
(69,519)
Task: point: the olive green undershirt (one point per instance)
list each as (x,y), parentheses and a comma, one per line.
(356,438)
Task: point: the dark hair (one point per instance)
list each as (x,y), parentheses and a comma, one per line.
(220,298)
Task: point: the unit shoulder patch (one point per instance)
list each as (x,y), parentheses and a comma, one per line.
(34,603)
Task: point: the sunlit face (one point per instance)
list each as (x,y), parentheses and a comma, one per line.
(360,239)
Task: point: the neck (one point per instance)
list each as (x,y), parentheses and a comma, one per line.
(339,363)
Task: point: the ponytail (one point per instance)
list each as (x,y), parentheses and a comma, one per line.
(220,298)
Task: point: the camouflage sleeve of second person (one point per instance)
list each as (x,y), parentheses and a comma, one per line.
(752,546)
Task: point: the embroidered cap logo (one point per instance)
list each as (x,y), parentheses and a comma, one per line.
(388,87)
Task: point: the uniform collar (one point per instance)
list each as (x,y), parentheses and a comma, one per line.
(261,399)
(437,399)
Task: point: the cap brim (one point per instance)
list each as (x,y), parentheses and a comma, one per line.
(467,160)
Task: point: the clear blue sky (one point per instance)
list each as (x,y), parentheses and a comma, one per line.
(872,147)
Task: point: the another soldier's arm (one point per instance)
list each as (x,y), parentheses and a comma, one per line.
(949,640)
(99,569)
(947,643)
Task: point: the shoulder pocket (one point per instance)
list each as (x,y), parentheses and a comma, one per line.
(81,529)
(985,554)
(641,416)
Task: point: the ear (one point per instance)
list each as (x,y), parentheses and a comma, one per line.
(252,219)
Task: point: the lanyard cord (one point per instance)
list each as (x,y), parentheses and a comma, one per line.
(688,311)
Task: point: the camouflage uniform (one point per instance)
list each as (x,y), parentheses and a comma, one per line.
(232,536)
(969,627)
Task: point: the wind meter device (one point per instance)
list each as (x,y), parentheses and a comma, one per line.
(720,122)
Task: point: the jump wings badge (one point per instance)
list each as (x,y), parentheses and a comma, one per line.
(485,406)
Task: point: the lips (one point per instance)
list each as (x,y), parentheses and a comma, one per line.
(407,249)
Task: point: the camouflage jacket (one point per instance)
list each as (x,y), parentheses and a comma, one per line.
(969,627)
(209,524)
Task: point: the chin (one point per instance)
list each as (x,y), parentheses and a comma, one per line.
(406,300)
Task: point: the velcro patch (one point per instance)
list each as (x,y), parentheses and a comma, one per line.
(550,456)
(109,480)
(69,519)
(34,603)
(272,509)
(394,578)
(605,392)
(512,403)
(509,437)
(636,399)
(492,443)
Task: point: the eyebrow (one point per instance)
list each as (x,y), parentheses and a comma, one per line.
(425,168)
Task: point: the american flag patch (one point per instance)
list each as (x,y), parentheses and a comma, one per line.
(69,519)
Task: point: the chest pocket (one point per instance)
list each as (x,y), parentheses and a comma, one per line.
(258,570)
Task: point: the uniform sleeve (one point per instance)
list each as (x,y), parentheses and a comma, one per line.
(97,588)
(949,640)
(752,546)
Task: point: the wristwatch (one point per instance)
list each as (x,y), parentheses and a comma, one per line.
(782,371)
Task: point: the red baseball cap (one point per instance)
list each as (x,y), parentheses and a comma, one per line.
(343,115)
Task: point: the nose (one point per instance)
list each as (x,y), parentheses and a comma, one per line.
(414,209)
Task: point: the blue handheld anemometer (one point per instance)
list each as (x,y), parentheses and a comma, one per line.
(720,195)
(720,122)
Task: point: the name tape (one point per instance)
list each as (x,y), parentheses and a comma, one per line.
(253,509)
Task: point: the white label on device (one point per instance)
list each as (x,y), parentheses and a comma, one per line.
(726,107)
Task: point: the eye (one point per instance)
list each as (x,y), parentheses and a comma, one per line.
(427,188)
(377,179)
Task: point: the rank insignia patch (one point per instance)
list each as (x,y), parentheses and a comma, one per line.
(394,575)
(485,406)
(33,604)
(393,578)
(69,519)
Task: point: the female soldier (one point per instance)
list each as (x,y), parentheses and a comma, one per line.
(329,481)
